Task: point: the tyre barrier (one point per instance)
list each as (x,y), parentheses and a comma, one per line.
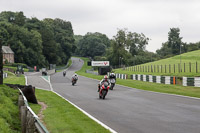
(191,81)
(120,76)
(5,75)
(155,79)
(186,81)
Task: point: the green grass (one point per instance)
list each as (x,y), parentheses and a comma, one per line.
(62,117)
(61,68)
(15,68)
(172,89)
(9,112)
(13,79)
(186,59)
(85,67)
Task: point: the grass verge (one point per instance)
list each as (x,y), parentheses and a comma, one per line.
(13,79)
(9,112)
(61,68)
(172,89)
(62,117)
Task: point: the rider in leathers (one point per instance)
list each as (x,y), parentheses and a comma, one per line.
(105,79)
(112,75)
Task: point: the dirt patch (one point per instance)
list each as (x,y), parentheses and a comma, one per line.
(40,115)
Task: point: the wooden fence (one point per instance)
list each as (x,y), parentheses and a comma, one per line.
(29,120)
(167,68)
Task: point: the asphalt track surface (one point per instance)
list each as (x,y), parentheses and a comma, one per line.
(128,110)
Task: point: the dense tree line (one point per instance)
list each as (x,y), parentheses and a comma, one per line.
(37,42)
(129,48)
(51,41)
(99,47)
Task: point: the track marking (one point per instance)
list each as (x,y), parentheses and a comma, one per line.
(152,91)
(90,116)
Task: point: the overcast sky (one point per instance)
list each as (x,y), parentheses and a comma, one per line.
(154,18)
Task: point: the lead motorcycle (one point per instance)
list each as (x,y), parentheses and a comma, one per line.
(103,90)
(112,81)
(74,81)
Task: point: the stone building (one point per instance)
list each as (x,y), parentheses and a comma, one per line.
(8,54)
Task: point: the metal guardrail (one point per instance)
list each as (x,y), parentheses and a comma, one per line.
(92,72)
(30,121)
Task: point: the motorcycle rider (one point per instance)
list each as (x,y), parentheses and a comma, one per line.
(105,79)
(64,73)
(75,77)
(112,75)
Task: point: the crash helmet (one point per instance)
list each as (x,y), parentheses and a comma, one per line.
(113,74)
(105,77)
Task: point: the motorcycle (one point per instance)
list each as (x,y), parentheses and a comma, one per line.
(112,81)
(74,81)
(103,90)
(64,73)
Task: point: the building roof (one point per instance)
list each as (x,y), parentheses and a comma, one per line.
(7,50)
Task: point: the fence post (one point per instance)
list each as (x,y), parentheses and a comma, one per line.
(30,123)
(23,111)
(174,68)
(161,68)
(169,68)
(190,66)
(196,68)
(165,68)
(184,67)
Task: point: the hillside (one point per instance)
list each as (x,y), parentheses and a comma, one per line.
(190,66)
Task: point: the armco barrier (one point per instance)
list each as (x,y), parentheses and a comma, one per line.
(29,120)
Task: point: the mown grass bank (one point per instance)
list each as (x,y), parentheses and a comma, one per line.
(172,89)
(13,79)
(9,111)
(62,117)
(187,64)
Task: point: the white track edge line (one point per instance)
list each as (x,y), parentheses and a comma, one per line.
(90,116)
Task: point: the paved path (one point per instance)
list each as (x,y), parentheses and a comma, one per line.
(129,110)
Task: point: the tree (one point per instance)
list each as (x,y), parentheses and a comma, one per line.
(174,40)
(93,44)
(136,42)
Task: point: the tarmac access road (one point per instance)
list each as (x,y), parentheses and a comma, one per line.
(130,110)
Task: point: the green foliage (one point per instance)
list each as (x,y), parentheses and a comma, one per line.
(9,112)
(35,42)
(92,44)
(174,41)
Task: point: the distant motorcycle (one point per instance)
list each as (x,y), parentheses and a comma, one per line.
(103,90)
(112,81)
(64,73)
(74,81)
